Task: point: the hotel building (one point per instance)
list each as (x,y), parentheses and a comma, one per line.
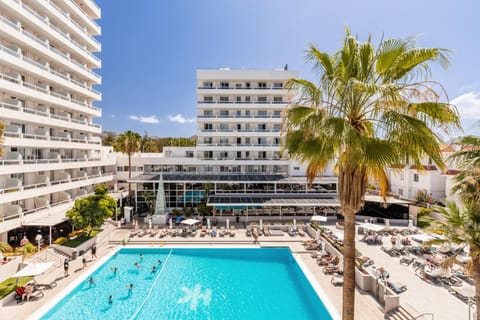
(238,158)
(52,152)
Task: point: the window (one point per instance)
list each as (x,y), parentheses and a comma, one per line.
(224,85)
(208,126)
(247,85)
(208,154)
(247,99)
(208,113)
(262,126)
(239,154)
(296,168)
(223,126)
(224,113)
(277,126)
(207,99)
(223,99)
(262,99)
(400,192)
(239,99)
(277,113)
(262,113)
(247,112)
(247,141)
(277,99)
(238,86)
(415,177)
(402,176)
(239,140)
(239,126)
(247,154)
(208,85)
(262,85)
(238,113)
(277,85)
(208,140)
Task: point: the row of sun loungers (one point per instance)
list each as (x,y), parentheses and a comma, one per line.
(185,232)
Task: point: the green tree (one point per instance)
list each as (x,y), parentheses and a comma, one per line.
(90,212)
(372,109)
(461,226)
(129,143)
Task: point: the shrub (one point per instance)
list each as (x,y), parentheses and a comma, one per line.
(423,212)
(60,240)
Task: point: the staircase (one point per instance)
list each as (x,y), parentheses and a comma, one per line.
(401,313)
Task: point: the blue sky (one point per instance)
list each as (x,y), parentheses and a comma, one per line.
(151,49)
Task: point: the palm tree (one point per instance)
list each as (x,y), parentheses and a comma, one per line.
(468,159)
(461,226)
(5,247)
(129,142)
(372,109)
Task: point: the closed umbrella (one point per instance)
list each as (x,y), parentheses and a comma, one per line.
(170,222)
(228,224)
(208,223)
(261,223)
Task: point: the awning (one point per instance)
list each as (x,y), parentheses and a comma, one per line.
(47,221)
(389,200)
(33,269)
(319,218)
(190,222)
(371,227)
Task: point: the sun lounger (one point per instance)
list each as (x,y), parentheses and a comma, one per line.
(39,285)
(231,233)
(276,233)
(397,287)
(337,280)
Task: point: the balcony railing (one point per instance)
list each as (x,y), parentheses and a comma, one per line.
(240,88)
(34,136)
(56,29)
(84,13)
(243,102)
(237,130)
(46,68)
(45,90)
(67,16)
(56,182)
(261,116)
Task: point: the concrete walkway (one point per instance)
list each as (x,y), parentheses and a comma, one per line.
(365,306)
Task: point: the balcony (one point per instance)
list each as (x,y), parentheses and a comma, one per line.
(258,116)
(80,12)
(44,43)
(42,67)
(73,25)
(42,21)
(36,190)
(242,102)
(43,89)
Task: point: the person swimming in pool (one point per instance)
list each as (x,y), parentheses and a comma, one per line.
(154,269)
(136,264)
(114,270)
(110,299)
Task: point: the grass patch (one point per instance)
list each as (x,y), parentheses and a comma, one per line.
(8,286)
(80,239)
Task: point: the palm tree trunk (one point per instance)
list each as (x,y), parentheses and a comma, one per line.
(349,267)
(129,177)
(476,278)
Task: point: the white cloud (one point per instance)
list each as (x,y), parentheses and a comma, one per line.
(180,119)
(151,119)
(468,105)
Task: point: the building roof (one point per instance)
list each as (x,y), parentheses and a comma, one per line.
(272,200)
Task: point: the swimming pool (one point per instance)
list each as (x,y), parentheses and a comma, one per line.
(256,283)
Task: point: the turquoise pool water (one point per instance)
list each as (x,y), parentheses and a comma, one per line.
(195,284)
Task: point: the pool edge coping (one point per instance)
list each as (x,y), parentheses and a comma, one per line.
(44,309)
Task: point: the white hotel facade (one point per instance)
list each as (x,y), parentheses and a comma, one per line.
(52,150)
(238,150)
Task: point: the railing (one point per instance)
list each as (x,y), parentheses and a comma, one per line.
(422,315)
(44,43)
(243,102)
(241,88)
(56,182)
(237,145)
(56,29)
(240,116)
(45,90)
(46,68)
(84,13)
(66,15)
(241,130)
